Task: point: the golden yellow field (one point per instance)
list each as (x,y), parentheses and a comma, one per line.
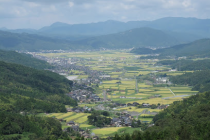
(106,131)
(71,116)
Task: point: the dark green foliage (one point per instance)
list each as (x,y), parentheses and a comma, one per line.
(23,59)
(27,89)
(188,119)
(200,80)
(98,120)
(71,132)
(46,128)
(105,113)
(185,65)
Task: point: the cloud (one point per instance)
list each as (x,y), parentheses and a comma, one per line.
(46,1)
(39,13)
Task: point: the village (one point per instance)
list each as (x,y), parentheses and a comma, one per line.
(132,90)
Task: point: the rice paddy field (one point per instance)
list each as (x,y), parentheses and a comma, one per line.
(111,131)
(123,67)
(79,118)
(106,131)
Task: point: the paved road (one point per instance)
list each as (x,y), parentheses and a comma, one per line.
(176,96)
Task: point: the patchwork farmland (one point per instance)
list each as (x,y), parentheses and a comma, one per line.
(126,78)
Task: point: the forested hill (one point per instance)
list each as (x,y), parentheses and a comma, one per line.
(199,48)
(187,65)
(30,90)
(23,59)
(30,42)
(200,80)
(183,120)
(187,119)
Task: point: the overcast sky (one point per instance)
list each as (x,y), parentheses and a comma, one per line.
(38,13)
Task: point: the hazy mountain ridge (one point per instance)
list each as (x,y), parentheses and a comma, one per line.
(139,37)
(198,48)
(163,32)
(186,25)
(199,27)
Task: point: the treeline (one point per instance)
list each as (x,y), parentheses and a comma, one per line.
(185,65)
(200,80)
(99,119)
(23,59)
(23,89)
(38,128)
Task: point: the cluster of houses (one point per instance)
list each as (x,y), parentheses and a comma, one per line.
(124,120)
(84,96)
(130,104)
(133,104)
(79,109)
(75,127)
(162,80)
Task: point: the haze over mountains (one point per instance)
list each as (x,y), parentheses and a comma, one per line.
(198,48)
(163,32)
(178,24)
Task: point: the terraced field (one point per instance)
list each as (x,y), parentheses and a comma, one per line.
(106,131)
(71,116)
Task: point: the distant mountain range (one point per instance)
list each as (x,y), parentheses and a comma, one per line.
(199,48)
(139,37)
(199,27)
(163,32)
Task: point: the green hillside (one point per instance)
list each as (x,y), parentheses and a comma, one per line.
(30,42)
(30,90)
(200,80)
(23,59)
(199,48)
(187,65)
